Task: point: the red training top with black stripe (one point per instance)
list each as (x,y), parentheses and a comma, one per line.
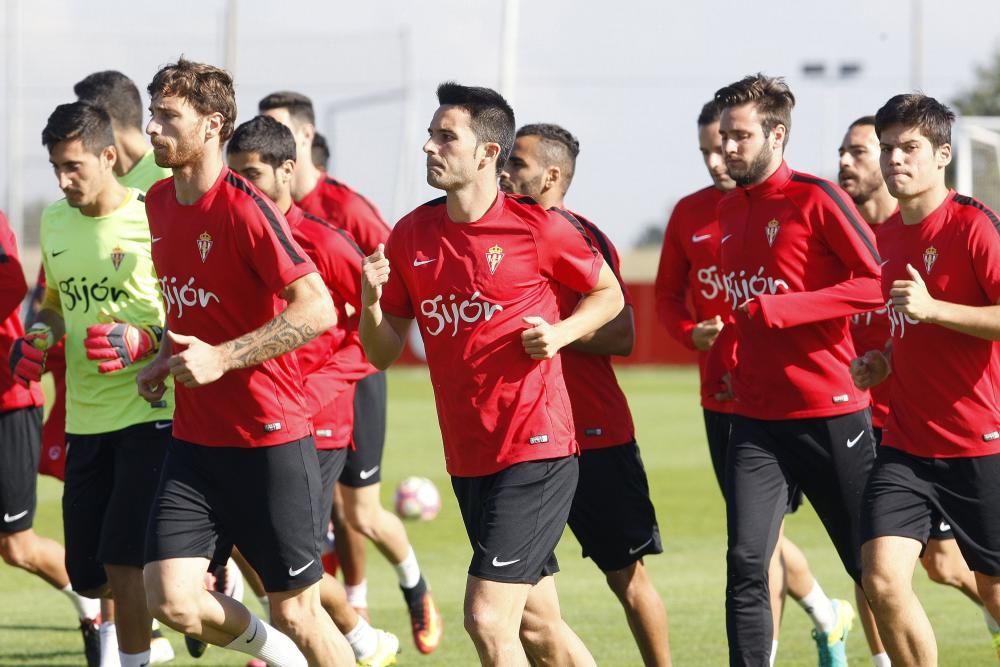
(944,400)
(689,274)
(222,262)
(797,246)
(334,361)
(469,286)
(600,409)
(13,288)
(342,207)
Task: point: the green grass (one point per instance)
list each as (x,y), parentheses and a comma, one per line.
(37,626)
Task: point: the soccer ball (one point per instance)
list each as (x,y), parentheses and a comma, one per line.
(417,498)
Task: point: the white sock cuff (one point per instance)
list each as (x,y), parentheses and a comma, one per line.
(408,570)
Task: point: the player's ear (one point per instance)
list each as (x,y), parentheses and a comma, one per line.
(286,170)
(552,178)
(109,154)
(943,155)
(213,125)
(491,153)
(778,136)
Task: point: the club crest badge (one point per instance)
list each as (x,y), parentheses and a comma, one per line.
(771,232)
(493,257)
(204,245)
(930,256)
(117,255)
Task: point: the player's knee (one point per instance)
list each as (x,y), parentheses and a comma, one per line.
(179,613)
(744,563)
(881,585)
(365,520)
(296,616)
(14,549)
(626,582)
(941,570)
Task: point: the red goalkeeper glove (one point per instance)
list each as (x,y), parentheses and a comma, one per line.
(27,354)
(121,344)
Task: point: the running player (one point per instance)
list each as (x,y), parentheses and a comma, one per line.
(612,515)
(360,506)
(240,294)
(262,150)
(796,261)
(689,273)
(21,403)
(479,270)
(102,296)
(940,451)
(861,177)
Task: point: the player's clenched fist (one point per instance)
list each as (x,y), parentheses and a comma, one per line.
(542,340)
(870,369)
(198,365)
(27,354)
(911,298)
(118,344)
(374,274)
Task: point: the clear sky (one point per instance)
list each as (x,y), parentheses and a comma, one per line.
(628,77)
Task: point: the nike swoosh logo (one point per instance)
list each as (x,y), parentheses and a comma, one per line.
(56,254)
(155,239)
(295,573)
(503,563)
(421,262)
(255,626)
(944,526)
(8,518)
(632,552)
(725,238)
(365,474)
(884,263)
(699,239)
(162,425)
(853,441)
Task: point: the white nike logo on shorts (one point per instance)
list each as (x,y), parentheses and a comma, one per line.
(8,518)
(698,239)
(944,526)
(295,573)
(853,441)
(162,425)
(365,474)
(421,262)
(503,563)
(632,552)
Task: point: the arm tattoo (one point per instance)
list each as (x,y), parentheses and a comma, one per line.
(277,337)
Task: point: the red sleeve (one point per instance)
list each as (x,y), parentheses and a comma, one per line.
(565,252)
(13,286)
(395,297)
(671,285)
(849,238)
(610,254)
(346,273)
(266,242)
(363,220)
(984,246)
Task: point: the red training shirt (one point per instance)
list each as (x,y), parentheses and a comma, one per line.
(798,247)
(221,262)
(689,273)
(13,288)
(342,207)
(945,383)
(600,409)
(469,286)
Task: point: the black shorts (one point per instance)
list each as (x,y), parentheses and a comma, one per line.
(718,426)
(111,480)
(264,500)
(940,529)
(612,515)
(829,458)
(331,465)
(364,462)
(515,517)
(20,444)
(904,491)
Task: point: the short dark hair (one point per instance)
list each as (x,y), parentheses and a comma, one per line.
(710,113)
(299,106)
(557,146)
(115,93)
(864,120)
(266,137)
(769,94)
(207,88)
(320,152)
(923,112)
(492,118)
(79,120)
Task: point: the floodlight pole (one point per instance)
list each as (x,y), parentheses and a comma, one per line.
(508,49)
(916,45)
(14,168)
(230,28)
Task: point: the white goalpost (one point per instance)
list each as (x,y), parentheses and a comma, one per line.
(977,158)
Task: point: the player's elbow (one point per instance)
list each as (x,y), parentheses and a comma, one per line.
(626,342)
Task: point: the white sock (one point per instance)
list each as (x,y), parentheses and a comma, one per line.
(820,609)
(363,639)
(109,645)
(774,651)
(408,571)
(88,608)
(134,659)
(357,596)
(263,641)
(881,660)
(991,622)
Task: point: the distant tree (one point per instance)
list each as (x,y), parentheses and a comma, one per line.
(983,98)
(651,236)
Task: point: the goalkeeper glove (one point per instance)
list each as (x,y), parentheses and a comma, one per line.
(27,354)
(121,344)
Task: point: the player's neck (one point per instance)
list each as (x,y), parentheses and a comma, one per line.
(551,198)
(878,208)
(915,209)
(194,180)
(284,202)
(131,147)
(472,201)
(108,201)
(305,179)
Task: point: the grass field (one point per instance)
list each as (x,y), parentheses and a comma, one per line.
(37,626)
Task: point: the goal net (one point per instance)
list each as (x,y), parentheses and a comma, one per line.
(977,158)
